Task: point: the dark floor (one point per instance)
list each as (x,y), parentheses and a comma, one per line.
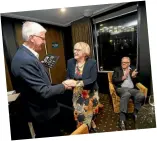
(108,121)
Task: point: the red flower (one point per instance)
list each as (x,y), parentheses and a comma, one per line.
(78,72)
(84,93)
(96,110)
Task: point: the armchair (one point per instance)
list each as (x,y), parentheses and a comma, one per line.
(116,98)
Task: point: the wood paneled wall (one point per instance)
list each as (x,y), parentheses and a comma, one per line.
(59,71)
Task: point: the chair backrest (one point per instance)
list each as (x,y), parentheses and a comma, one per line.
(110,76)
(111,86)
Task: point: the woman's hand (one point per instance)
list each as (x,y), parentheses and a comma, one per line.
(70,82)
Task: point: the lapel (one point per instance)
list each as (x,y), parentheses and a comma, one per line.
(121,71)
(73,68)
(30,53)
(84,69)
(46,70)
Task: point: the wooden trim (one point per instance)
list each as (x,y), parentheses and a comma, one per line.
(83,129)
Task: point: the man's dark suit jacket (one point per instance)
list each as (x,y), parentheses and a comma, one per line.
(89,75)
(37,93)
(117,77)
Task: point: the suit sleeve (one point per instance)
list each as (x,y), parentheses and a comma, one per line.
(68,71)
(30,74)
(116,78)
(93,75)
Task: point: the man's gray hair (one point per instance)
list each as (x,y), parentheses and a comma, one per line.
(126,58)
(31,28)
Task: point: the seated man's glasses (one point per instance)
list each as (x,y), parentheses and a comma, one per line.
(125,62)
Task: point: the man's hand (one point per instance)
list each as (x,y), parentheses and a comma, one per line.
(134,73)
(66,86)
(70,82)
(124,77)
(127,71)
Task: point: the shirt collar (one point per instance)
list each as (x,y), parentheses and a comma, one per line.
(34,52)
(128,68)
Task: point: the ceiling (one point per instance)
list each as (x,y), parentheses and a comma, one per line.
(56,17)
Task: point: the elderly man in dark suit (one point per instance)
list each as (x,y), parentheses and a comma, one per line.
(37,93)
(124,79)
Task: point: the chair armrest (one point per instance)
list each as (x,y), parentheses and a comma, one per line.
(83,129)
(142,88)
(112,90)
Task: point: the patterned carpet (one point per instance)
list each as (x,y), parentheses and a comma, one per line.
(108,121)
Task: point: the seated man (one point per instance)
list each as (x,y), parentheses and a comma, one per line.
(124,79)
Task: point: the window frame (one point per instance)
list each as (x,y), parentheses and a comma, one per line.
(96,45)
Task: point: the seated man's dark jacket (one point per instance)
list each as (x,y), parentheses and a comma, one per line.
(37,94)
(117,77)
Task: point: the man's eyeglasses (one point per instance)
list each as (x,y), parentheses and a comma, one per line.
(39,37)
(125,62)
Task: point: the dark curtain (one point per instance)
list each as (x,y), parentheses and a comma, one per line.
(9,44)
(143,50)
(82,32)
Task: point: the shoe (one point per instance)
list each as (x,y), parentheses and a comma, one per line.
(94,129)
(93,125)
(135,117)
(135,121)
(122,125)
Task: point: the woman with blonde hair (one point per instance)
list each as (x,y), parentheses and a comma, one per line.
(83,72)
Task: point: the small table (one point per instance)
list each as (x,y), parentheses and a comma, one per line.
(22,129)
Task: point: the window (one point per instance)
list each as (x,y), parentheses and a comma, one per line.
(116,38)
